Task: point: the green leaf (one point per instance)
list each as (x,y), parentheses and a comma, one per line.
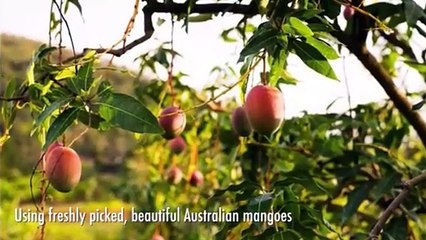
(7,109)
(287,78)
(200,17)
(309,183)
(61,123)
(225,35)
(269,233)
(11,88)
(397,228)
(236,188)
(412,12)
(385,185)
(300,27)
(418,105)
(288,234)
(47,112)
(161,58)
(128,113)
(76,3)
(313,58)
(91,120)
(277,66)
(264,37)
(355,198)
(89,55)
(81,81)
(261,203)
(38,55)
(420,67)
(104,89)
(30,73)
(383,10)
(278,62)
(326,50)
(305,14)
(331,8)
(320,27)
(67,72)
(227,226)
(85,76)
(43,51)
(291,202)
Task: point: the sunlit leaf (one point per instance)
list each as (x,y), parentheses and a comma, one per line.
(30,74)
(300,27)
(265,36)
(61,123)
(68,72)
(313,58)
(49,110)
(84,78)
(127,113)
(326,50)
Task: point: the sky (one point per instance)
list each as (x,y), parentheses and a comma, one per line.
(104,21)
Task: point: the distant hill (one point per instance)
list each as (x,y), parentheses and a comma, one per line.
(21,151)
(16,53)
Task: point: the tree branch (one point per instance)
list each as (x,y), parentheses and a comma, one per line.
(385,80)
(393,39)
(175,8)
(407,186)
(182,8)
(149,31)
(20,98)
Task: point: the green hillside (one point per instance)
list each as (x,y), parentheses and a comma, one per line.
(22,150)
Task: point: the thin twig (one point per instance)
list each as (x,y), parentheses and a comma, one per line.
(131,22)
(50,26)
(170,73)
(347,89)
(244,76)
(86,129)
(407,187)
(43,189)
(68,30)
(31,180)
(11,99)
(381,24)
(129,28)
(60,34)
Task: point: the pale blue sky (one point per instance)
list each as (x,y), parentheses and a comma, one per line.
(105,21)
